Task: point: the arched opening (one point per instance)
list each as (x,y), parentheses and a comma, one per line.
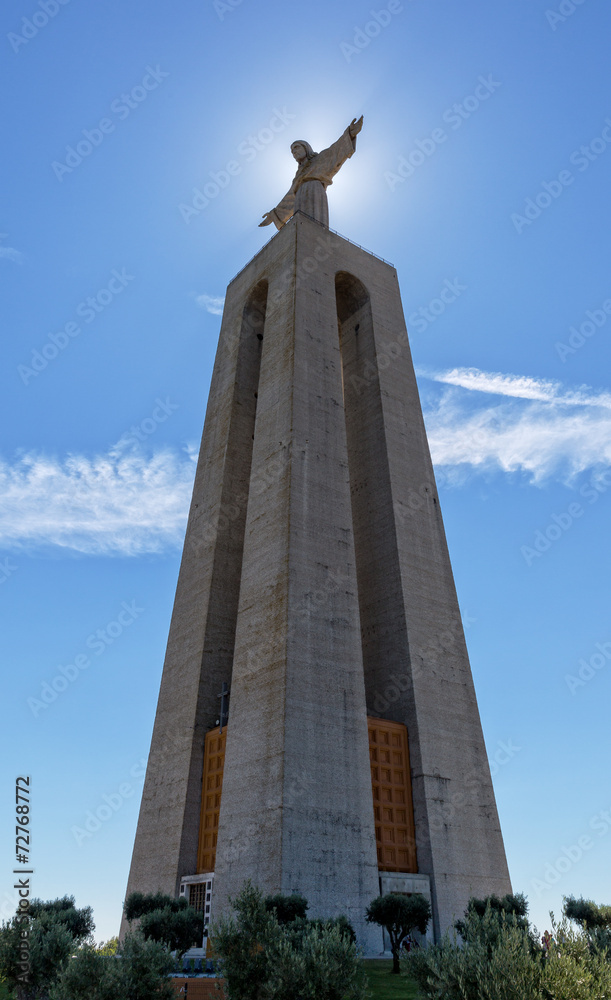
(229,530)
(378,575)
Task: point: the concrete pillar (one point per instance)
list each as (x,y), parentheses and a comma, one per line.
(297,811)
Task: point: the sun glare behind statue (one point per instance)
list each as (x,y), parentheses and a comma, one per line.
(355,192)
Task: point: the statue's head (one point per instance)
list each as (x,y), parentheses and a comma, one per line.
(302,150)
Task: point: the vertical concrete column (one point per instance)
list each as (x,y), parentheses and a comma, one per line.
(199,654)
(297,811)
(415,659)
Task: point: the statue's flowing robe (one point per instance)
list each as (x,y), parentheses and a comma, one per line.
(308,192)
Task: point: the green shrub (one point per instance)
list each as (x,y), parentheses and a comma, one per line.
(145,966)
(89,974)
(109,947)
(5,992)
(178,929)
(399,915)
(515,909)
(139,903)
(287,908)
(64,911)
(585,911)
(243,944)
(502,970)
(499,959)
(139,972)
(165,919)
(324,965)
(572,971)
(263,959)
(342,923)
(50,946)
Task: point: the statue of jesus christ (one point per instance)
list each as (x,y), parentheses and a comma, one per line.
(308,192)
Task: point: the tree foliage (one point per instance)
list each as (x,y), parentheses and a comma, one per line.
(287,908)
(512,906)
(244,943)
(55,929)
(499,959)
(399,915)
(109,947)
(178,929)
(585,911)
(139,903)
(79,923)
(262,958)
(65,964)
(88,974)
(485,919)
(138,972)
(165,919)
(322,965)
(5,992)
(342,923)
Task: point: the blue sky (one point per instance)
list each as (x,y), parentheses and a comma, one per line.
(483,166)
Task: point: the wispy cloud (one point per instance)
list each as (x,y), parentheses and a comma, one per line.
(211,303)
(520,387)
(9,253)
(128,503)
(120,503)
(542,429)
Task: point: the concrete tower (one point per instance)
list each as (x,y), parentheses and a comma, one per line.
(317,727)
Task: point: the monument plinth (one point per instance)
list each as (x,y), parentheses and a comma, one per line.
(317,728)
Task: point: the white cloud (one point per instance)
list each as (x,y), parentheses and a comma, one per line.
(542,430)
(121,503)
(520,387)
(9,253)
(211,303)
(127,503)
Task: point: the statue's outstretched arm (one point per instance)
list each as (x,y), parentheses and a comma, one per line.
(281,213)
(355,127)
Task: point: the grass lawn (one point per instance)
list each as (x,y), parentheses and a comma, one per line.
(383,986)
